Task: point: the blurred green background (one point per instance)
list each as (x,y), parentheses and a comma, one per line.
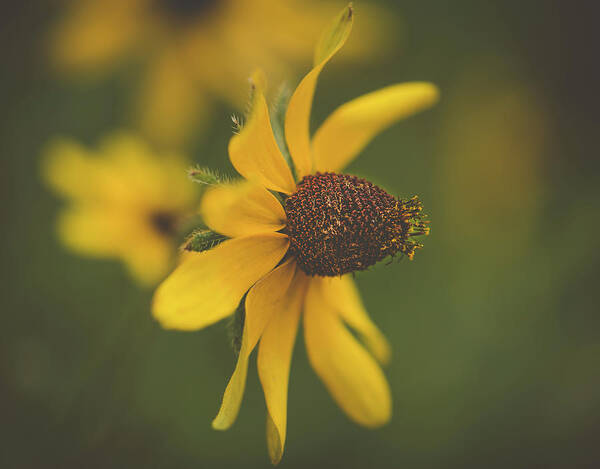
(494,326)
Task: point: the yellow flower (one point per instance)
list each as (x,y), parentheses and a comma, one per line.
(291,259)
(124,202)
(196,50)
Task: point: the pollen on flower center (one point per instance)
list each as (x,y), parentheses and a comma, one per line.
(339,223)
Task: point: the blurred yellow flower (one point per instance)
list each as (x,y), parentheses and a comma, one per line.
(196,51)
(294,257)
(124,202)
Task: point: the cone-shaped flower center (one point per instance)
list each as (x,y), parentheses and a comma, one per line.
(339,223)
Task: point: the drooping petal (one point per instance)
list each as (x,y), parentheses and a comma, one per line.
(208,286)
(349,372)
(275,444)
(254,152)
(342,296)
(274,358)
(263,302)
(297,119)
(241,209)
(352,126)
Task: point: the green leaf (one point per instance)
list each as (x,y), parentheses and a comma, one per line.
(202,240)
(334,36)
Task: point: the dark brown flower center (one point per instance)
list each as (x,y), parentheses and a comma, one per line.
(339,223)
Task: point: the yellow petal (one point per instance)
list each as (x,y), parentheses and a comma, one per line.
(148,258)
(171,104)
(349,372)
(96,231)
(297,119)
(274,358)
(274,443)
(241,209)
(67,168)
(334,35)
(208,286)
(342,296)
(352,126)
(263,301)
(106,232)
(94,35)
(123,171)
(137,175)
(254,152)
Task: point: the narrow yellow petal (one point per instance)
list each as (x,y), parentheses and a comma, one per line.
(241,209)
(335,35)
(254,152)
(274,358)
(297,119)
(352,126)
(274,443)
(342,296)
(349,372)
(208,286)
(263,301)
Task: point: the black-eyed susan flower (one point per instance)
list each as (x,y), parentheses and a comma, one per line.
(124,202)
(194,50)
(294,242)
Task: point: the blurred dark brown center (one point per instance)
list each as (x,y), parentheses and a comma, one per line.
(339,223)
(163,222)
(186,9)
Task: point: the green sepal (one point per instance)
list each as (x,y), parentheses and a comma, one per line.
(205,176)
(235,327)
(278,111)
(202,240)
